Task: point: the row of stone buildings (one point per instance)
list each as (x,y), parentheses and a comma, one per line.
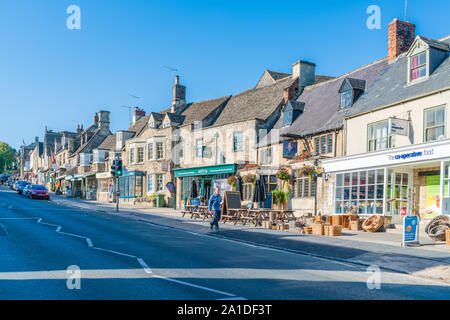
(334,135)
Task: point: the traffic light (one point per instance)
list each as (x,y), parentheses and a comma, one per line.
(119,167)
(113,168)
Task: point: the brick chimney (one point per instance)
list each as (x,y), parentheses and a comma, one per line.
(401,35)
(289,92)
(179,96)
(137,114)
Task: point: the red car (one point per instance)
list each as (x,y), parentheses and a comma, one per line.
(36,191)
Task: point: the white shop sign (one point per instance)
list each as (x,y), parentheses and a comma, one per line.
(387,158)
(398,126)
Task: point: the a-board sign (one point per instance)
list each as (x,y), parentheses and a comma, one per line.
(232,200)
(410,230)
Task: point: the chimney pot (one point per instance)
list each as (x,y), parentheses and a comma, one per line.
(137,114)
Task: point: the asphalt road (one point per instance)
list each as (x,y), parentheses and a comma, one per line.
(122,258)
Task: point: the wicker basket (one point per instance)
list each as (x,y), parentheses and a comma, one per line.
(318,229)
(356,225)
(336,220)
(307,230)
(447,236)
(373,223)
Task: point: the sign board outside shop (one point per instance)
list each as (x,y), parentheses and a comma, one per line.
(398,126)
(410,230)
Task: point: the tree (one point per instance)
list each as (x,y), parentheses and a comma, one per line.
(7,155)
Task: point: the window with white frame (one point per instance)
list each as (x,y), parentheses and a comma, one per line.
(364,190)
(199,148)
(140,154)
(159,150)
(434,123)
(159,182)
(150,151)
(266,156)
(346,99)
(150,183)
(418,65)
(379,137)
(238,141)
(133,155)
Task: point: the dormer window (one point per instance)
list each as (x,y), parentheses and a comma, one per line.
(151,124)
(418,66)
(346,99)
(287,117)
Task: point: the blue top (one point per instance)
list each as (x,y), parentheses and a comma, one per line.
(214,202)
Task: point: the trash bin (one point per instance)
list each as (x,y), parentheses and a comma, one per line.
(159,200)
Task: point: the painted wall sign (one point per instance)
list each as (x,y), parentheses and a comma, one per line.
(289,149)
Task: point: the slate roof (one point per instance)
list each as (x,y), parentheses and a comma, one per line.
(109,143)
(139,126)
(278,75)
(256,103)
(391,87)
(322,102)
(175,117)
(438,44)
(199,111)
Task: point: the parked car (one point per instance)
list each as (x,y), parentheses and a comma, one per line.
(36,191)
(20,185)
(11,185)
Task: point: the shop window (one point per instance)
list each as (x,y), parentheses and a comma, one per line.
(304,187)
(159,150)
(247,194)
(238,141)
(364,189)
(418,65)
(434,123)
(379,137)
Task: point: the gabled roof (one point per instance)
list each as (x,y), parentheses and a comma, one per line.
(199,111)
(322,102)
(391,87)
(357,84)
(438,44)
(256,103)
(157,116)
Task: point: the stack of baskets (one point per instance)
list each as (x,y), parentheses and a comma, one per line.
(437,228)
(333,231)
(447,236)
(318,228)
(307,230)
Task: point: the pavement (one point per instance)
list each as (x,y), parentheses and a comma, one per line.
(71,249)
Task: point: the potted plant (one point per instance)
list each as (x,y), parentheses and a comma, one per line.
(307,170)
(280,197)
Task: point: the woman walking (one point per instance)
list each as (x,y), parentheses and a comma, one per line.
(214,207)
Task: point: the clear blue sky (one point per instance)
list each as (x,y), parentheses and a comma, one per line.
(53,76)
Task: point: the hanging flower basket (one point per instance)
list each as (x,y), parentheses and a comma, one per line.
(232,180)
(249,178)
(283,174)
(250,166)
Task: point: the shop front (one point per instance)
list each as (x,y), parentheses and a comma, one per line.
(131,186)
(105,189)
(411,180)
(204,179)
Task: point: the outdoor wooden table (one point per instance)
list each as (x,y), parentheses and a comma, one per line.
(203,210)
(250,215)
(232,214)
(261,215)
(188,209)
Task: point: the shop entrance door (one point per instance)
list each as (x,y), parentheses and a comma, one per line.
(398,197)
(207,189)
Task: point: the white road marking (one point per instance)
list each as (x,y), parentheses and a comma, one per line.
(140,260)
